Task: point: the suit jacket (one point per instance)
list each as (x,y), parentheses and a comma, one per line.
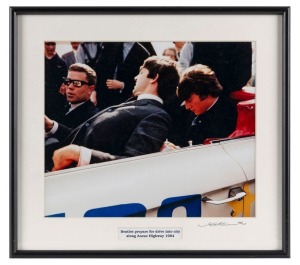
(217,122)
(149,47)
(130,129)
(127,70)
(69,58)
(71,120)
(231,61)
(180,120)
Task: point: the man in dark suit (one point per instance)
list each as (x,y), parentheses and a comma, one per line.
(116,68)
(55,70)
(149,47)
(79,85)
(70,57)
(134,128)
(214,116)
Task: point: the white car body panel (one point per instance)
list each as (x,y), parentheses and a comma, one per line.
(150,180)
(246,161)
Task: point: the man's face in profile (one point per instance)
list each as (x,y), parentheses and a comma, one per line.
(195,104)
(142,82)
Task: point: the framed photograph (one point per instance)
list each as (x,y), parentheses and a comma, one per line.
(149,132)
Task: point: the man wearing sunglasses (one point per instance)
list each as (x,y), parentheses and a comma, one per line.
(79,86)
(133,128)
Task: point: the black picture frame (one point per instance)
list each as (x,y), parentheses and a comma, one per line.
(15,12)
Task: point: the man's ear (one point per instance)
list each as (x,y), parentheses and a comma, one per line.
(153,80)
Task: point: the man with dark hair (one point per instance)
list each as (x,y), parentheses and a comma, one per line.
(79,86)
(134,128)
(213,116)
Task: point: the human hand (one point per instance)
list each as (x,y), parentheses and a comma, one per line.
(65,156)
(168,146)
(114,84)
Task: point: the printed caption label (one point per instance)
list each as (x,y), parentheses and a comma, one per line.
(150,233)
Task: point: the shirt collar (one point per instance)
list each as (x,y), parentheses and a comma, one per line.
(74,106)
(150,96)
(213,104)
(128,45)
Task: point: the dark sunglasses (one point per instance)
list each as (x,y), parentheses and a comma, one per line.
(76,83)
(50,43)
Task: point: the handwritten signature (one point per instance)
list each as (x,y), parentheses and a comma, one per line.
(222,224)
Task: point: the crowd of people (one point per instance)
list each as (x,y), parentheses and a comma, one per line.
(110,100)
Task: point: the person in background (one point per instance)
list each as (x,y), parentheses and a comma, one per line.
(171,52)
(70,57)
(212,115)
(89,53)
(55,71)
(178,46)
(116,68)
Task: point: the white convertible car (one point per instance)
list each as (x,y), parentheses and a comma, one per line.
(211,180)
